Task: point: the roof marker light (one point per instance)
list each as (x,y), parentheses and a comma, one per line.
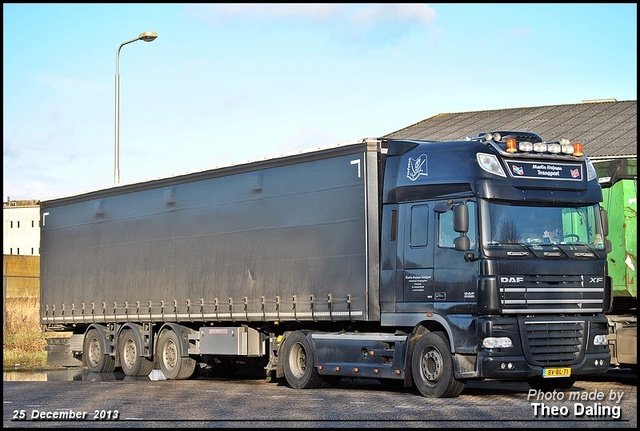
(577,149)
(525,146)
(554,148)
(567,149)
(540,147)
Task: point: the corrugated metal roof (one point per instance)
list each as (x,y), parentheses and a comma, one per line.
(606,128)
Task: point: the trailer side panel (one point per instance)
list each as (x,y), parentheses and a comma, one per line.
(290,239)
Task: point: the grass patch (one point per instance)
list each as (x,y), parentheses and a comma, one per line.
(23,342)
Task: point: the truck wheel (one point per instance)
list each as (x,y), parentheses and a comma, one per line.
(432,367)
(173,366)
(549,385)
(132,363)
(297,362)
(95,358)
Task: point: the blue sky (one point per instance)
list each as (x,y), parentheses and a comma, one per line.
(227,83)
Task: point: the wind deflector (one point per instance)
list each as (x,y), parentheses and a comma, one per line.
(397,148)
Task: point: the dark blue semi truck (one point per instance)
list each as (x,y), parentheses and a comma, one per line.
(423,263)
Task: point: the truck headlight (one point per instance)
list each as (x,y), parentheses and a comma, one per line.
(600,340)
(490,163)
(497,342)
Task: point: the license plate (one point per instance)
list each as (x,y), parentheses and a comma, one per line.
(556,372)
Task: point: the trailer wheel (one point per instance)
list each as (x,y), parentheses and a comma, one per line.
(299,369)
(94,355)
(432,367)
(133,364)
(173,366)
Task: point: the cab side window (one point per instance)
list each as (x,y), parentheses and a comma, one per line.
(446,234)
(418,234)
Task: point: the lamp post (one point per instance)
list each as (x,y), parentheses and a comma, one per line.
(147,36)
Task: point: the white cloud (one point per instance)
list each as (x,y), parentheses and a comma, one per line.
(351,12)
(396,12)
(210,12)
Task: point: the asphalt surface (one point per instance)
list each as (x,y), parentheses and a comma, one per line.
(77,399)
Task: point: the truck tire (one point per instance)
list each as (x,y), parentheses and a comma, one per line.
(133,364)
(94,355)
(432,367)
(173,366)
(299,369)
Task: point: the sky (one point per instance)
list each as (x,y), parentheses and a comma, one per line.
(230,83)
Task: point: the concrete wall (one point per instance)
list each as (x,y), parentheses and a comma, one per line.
(21,276)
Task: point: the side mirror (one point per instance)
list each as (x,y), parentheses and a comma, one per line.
(604,216)
(461,218)
(462,243)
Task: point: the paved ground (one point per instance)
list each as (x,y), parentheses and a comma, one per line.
(609,401)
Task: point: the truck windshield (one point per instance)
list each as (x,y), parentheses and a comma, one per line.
(537,225)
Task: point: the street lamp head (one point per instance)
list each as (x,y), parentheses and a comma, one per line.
(148,36)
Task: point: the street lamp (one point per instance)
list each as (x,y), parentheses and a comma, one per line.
(147,36)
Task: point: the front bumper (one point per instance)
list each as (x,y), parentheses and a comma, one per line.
(516,367)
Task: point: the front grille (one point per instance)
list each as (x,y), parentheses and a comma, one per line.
(549,343)
(550,294)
